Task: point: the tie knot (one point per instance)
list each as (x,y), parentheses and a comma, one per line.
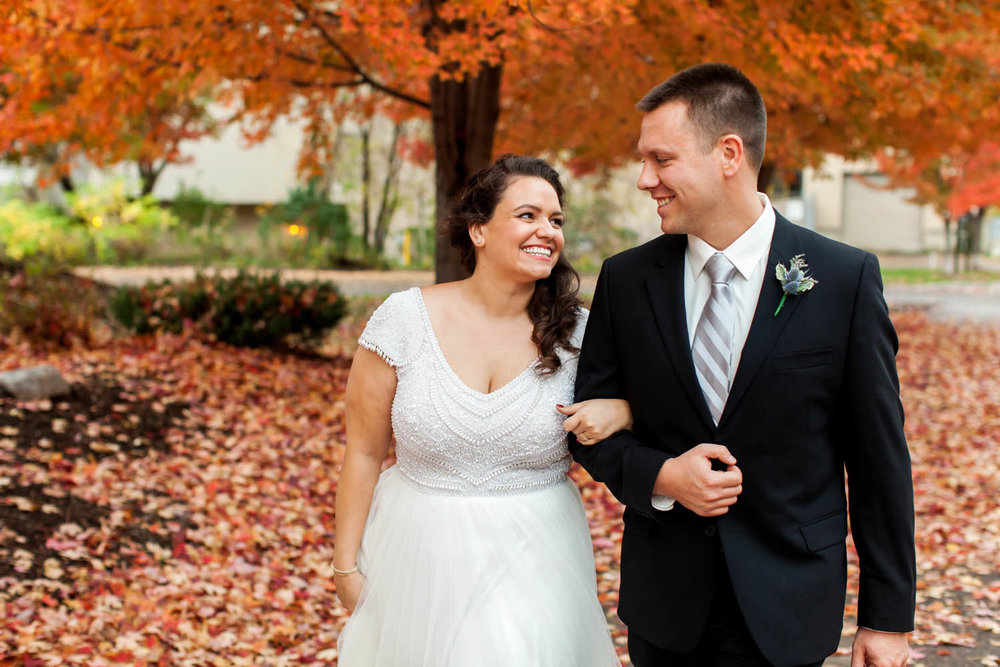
(720,269)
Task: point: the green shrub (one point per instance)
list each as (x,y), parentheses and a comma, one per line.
(308,228)
(247,310)
(160,306)
(193,209)
(44,305)
(39,231)
(122,229)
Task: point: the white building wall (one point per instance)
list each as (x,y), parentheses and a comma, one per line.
(846,203)
(227,169)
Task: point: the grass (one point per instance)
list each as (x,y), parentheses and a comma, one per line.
(913,275)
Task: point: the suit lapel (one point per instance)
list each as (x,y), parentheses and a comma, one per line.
(765,328)
(665,287)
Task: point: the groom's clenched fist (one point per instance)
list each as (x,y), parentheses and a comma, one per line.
(690,480)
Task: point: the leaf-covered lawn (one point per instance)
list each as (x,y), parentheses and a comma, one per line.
(178,507)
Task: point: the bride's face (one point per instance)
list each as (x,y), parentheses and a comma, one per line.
(524,237)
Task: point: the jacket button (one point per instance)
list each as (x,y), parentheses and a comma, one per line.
(710,531)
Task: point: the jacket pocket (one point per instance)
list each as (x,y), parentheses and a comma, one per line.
(825,532)
(794,361)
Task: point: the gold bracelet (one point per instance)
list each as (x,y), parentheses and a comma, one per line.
(344,572)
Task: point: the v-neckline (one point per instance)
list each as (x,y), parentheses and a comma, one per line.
(447,365)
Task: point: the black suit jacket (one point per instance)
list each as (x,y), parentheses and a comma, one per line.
(816,390)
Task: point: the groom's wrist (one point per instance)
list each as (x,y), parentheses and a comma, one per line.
(663,486)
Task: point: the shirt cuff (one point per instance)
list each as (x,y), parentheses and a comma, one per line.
(884,632)
(662,503)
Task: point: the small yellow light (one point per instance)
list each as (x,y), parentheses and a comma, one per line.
(295,230)
(97,221)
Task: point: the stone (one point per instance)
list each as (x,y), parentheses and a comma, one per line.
(34,383)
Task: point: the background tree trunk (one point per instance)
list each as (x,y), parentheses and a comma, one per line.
(390,199)
(464,117)
(149,173)
(366,177)
(765,176)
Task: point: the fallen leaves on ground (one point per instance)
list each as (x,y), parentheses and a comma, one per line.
(178,507)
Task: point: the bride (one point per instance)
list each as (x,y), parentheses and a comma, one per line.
(473,549)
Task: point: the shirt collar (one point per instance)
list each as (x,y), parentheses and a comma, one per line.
(744,252)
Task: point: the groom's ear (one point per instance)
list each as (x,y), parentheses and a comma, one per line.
(731,153)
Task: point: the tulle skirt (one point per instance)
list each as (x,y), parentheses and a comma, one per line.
(459,581)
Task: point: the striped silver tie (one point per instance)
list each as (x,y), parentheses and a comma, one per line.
(713,337)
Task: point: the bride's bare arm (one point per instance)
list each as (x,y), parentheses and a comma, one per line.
(371,387)
(594,420)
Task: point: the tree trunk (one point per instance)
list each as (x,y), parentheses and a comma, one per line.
(765,176)
(148,174)
(387,206)
(366,177)
(961,231)
(66,183)
(948,243)
(975,238)
(464,118)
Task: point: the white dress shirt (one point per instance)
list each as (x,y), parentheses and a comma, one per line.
(749,255)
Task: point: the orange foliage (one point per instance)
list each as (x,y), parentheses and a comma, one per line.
(838,77)
(953,183)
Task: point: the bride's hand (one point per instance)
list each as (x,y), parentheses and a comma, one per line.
(349,588)
(594,420)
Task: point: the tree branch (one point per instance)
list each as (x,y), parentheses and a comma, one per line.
(353,64)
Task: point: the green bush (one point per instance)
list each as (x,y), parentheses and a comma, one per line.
(44,305)
(160,306)
(193,209)
(39,231)
(122,229)
(205,233)
(311,230)
(246,310)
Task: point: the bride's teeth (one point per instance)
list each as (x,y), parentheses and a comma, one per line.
(542,252)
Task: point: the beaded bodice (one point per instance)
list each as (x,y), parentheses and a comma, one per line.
(452,439)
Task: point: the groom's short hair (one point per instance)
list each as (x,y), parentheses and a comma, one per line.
(720,100)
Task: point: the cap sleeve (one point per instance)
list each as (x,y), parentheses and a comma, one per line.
(394,332)
(581,324)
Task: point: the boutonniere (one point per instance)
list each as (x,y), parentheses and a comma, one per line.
(793,279)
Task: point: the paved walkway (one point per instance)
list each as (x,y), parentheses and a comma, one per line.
(956,300)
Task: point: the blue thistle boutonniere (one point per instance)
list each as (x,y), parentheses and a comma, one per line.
(793,279)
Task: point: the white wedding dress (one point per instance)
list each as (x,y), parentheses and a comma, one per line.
(476,549)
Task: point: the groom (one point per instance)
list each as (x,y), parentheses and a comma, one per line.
(750,399)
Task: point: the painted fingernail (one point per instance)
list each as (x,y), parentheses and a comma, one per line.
(560,405)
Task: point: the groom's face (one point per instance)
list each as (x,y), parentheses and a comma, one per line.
(681,173)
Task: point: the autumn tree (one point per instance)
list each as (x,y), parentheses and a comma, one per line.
(548,76)
(960,186)
(63,100)
(950,155)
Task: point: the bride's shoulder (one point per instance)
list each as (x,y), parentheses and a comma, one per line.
(393,331)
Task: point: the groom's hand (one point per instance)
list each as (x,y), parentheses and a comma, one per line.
(879,649)
(690,480)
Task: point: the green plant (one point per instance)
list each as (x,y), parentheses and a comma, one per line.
(193,209)
(311,229)
(122,229)
(39,231)
(590,236)
(418,247)
(162,305)
(246,310)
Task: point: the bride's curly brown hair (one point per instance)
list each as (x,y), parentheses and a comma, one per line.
(554,306)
